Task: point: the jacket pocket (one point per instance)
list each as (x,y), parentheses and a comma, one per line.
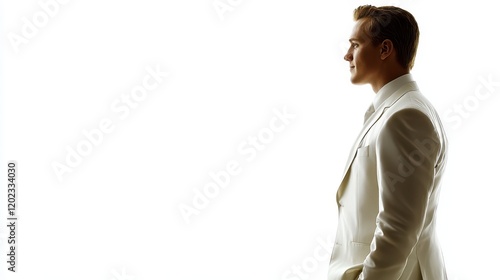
(363,151)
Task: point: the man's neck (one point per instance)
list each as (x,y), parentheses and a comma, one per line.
(389,76)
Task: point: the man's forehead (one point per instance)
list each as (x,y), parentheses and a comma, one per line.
(358,31)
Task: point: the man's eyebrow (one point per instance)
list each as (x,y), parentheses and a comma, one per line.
(353,40)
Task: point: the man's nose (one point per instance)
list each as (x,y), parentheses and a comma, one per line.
(348,56)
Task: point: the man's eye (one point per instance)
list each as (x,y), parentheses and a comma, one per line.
(355,45)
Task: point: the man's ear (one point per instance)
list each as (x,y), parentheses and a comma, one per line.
(386,48)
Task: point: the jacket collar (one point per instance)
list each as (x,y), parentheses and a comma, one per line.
(388,89)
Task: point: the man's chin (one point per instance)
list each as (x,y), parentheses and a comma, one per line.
(356,80)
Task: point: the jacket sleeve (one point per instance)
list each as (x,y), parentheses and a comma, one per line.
(406,152)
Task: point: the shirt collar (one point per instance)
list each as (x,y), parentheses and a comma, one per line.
(389,89)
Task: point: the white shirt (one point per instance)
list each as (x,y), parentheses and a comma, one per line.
(389,89)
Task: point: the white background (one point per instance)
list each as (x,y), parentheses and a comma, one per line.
(116,214)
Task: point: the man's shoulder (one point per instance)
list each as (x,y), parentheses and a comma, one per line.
(412,100)
(414,110)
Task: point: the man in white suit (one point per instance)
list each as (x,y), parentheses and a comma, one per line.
(389,193)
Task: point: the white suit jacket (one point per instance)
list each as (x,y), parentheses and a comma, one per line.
(389,193)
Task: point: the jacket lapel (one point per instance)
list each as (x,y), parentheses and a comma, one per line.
(411,86)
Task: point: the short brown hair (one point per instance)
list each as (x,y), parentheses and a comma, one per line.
(395,24)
